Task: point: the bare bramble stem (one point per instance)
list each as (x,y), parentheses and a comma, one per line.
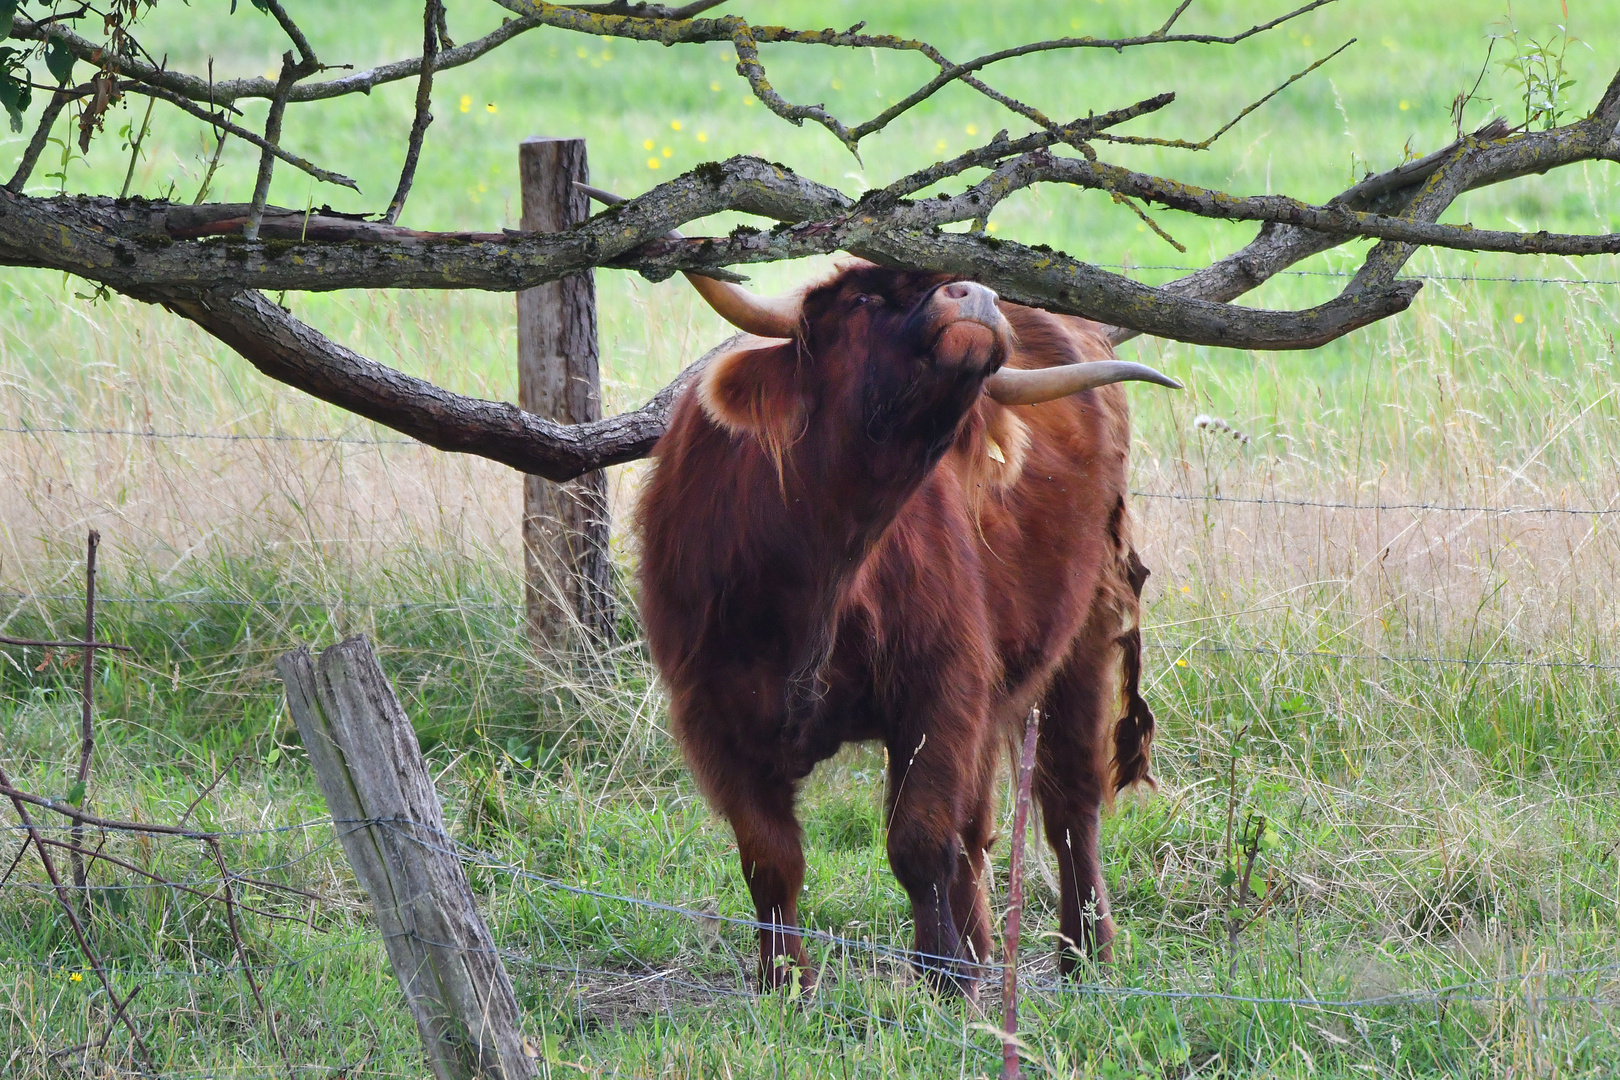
(90,955)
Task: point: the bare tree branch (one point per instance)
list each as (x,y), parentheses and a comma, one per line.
(432,16)
(272,138)
(42,133)
(290,352)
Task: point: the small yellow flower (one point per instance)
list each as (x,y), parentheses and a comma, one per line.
(653,163)
(990,227)
(973,129)
(647,144)
(750,100)
(1306,41)
(466,103)
(1518,318)
(838,84)
(607,54)
(75,977)
(1186,588)
(715,86)
(668,152)
(703,136)
(940,145)
(1405,105)
(1181,663)
(674,125)
(582,52)
(490,107)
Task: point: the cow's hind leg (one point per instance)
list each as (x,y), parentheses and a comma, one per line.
(769,844)
(1072,769)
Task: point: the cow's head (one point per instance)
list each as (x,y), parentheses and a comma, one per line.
(872,358)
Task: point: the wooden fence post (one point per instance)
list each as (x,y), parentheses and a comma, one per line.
(387,815)
(568,581)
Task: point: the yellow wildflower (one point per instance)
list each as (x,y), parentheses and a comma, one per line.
(703,136)
(75,977)
(1181,663)
(715,86)
(490,107)
(674,125)
(668,152)
(647,144)
(466,103)
(1518,318)
(973,129)
(652,163)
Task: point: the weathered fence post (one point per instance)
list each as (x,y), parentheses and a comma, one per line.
(567,574)
(377,787)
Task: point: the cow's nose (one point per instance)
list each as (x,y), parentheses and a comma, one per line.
(959,300)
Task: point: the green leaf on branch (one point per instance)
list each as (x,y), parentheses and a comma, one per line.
(8,12)
(76,794)
(15,95)
(59,60)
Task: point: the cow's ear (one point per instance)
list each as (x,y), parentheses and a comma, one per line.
(755,392)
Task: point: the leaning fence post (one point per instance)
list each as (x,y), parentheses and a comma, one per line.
(567,574)
(387,815)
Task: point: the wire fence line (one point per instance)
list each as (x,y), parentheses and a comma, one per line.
(1179,496)
(1169,644)
(1459,991)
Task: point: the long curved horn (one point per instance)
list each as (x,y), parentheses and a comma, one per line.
(1020,386)
(762,316)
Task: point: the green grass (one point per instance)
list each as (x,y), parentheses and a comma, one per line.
(1434,825)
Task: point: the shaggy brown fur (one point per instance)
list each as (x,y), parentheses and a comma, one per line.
(845,540)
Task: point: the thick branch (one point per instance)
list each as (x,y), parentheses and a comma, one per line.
(288,351)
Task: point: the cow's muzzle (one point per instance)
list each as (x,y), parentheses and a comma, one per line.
(966,328)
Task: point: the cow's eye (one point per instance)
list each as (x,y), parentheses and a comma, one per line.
(867,298)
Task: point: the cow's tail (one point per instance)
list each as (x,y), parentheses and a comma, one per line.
(1133,732)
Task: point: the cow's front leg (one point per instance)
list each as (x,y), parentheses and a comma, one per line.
(769,844)
(924,850)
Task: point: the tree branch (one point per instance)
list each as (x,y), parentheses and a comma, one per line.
(432,16)
(291,352)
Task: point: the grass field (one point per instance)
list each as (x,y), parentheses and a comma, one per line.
(1382,622)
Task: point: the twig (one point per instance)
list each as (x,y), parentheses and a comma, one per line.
(64,644)
(87,729)
(69,846)
(5,877)
(135,143)
(73,917)
(218,776)
(217,120)
(1015,902)
(241,951)
(432,16)
(308,61)
(272,137)
(42,135)
(95,821)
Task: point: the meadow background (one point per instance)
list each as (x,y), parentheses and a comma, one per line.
(1386,620)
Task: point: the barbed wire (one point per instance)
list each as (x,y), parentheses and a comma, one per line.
(440,842)
(1169,644)
(1455,508)
(1255,500)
